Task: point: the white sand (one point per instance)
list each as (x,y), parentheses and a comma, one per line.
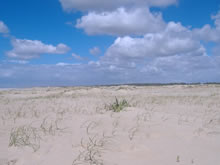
(164,125)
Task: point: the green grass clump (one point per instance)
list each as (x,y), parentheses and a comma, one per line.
(25,136)
(118,106)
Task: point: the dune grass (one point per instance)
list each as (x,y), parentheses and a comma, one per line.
(118,105)
(25,136)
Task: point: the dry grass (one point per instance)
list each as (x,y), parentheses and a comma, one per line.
(25,136)
(148,115)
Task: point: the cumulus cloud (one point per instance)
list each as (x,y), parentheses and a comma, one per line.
(174,40)
(216,50)
(148,50)
(184,68)
(137,21)
(208,33)
(29,49)
(3,28)
(107,5)
(95,51)
(161,69)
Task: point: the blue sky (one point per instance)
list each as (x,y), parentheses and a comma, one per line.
(84,42)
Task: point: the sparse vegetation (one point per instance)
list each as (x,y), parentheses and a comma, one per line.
(25,136)
(91,146)
(118,106)
(30,136)
(50,126)
(91,152)
(81,125)
(178,159)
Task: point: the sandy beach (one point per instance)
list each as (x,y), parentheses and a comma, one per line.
(115,125)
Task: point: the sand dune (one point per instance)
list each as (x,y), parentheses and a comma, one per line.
(158,125)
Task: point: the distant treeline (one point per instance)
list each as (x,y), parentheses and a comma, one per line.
(165,84)
(162,84)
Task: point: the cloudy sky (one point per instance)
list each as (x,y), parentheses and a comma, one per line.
(93,42)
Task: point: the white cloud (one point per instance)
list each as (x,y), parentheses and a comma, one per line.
(174,40)
(77,57)
(208,33)
(122,21)
(157,70)
(18,61)
(94,63)
(148,49)
(216,50)
(3,28)
(67,64)
(28,49)
(95,51)
(106,5)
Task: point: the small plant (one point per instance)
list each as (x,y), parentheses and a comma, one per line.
(91,153)
(118,106)
(178,159)
(50,126)
(25,136)
(92,147)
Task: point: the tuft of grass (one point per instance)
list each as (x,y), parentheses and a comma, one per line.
(50,126)
(118,106)
(178,158)
(25,136)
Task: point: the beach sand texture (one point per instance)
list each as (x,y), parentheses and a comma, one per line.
(159,125)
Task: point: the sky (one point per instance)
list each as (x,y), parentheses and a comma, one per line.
(102,42)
